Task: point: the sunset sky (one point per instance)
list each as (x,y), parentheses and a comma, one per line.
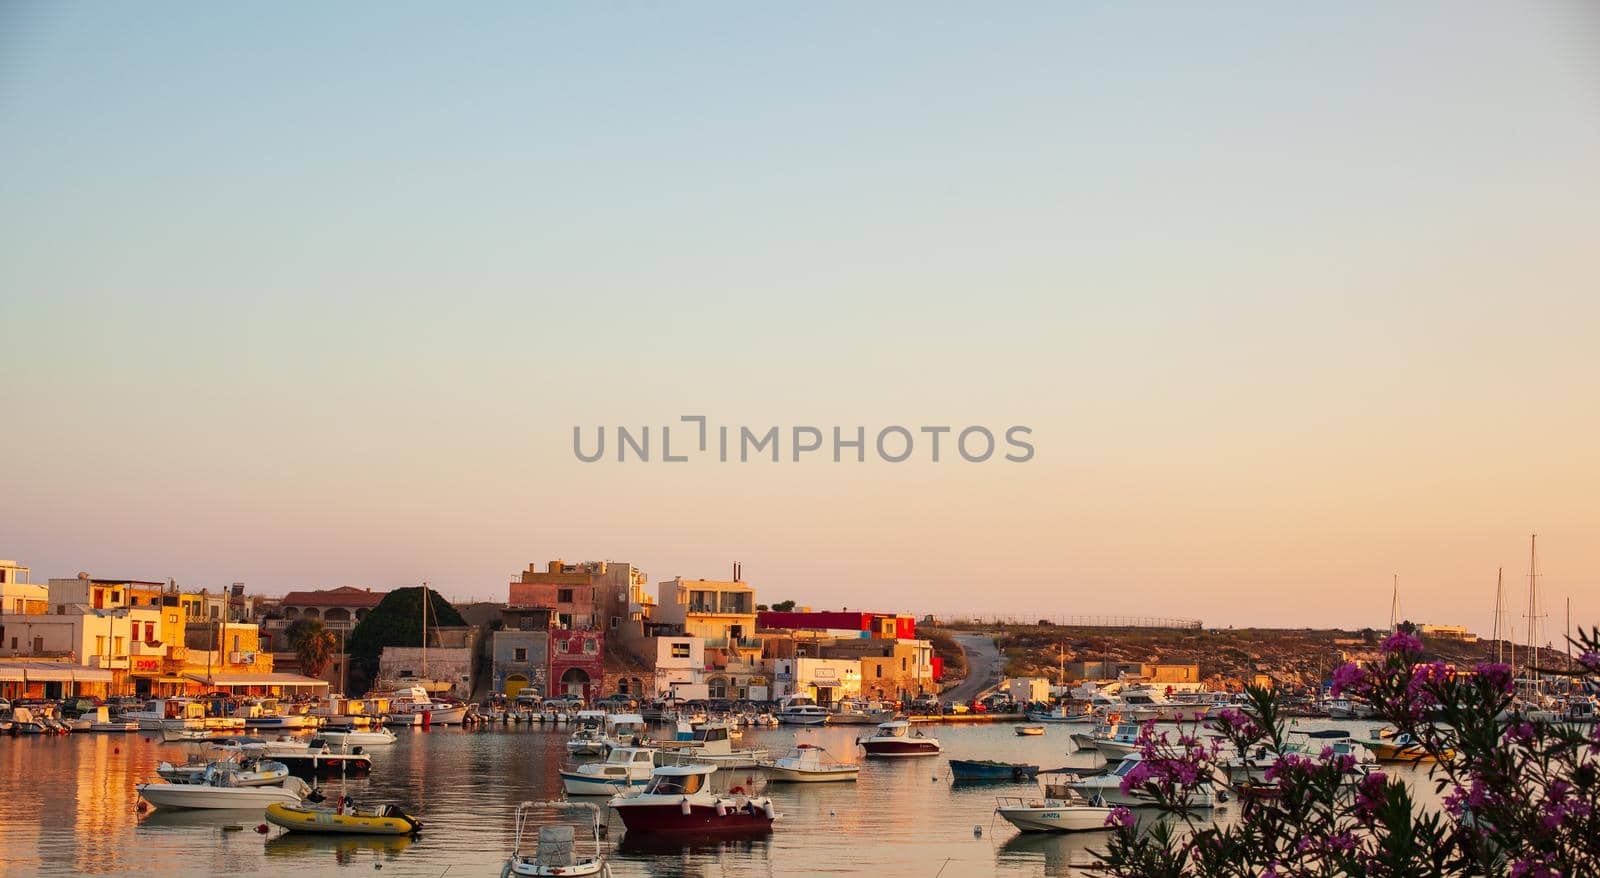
(1293,298)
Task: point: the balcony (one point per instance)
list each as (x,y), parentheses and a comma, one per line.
(108,662)
(733,643)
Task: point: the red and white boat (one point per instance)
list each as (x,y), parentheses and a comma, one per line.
(895,738)
(679,799)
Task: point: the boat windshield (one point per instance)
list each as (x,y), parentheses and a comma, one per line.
(675,784)
(1125,767)
(895,731)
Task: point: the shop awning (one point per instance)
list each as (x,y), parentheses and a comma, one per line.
(91,675)
(228,681)
(10,674)
(37,674)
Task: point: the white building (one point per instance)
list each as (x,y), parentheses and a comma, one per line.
(680,662)
(1028,689)
(826,680)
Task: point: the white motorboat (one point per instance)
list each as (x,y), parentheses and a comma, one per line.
(348,738)
(624,768)
(1064,713)
(895,738)
(556,854)
(710,745)
(1107,788)
(99,720)
(1148,703)
(1252,767)
(169,713)
(586,741)
(1112,742)
(801,710)
(808,763)
(855,712)
(1025,731)
(250,773)
(680,799)
(412,706)
(222,796)
(625,730)
(1068,813)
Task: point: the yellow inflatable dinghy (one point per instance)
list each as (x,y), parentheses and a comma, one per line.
(387,820)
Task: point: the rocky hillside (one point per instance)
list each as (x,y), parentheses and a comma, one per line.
(1228,658)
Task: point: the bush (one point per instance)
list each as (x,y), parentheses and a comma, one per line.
(1520,798)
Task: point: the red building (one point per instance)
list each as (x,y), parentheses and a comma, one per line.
(883,626)
(577,662)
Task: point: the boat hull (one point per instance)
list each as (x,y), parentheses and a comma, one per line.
(317,820)
(191,796)
(968,770)
(800,775)
(595,785)
(901,747)
(701,819)
(1074,818)
(325,767)
(526,866)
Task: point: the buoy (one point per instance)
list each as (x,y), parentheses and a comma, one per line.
(685,807)
(722,810)
(261,828)
(116,749)
(978,830)
(771,812)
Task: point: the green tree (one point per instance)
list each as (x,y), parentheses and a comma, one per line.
(397,621)
(312,643)
(783,606)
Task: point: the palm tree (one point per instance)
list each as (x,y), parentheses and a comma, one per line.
(312,643)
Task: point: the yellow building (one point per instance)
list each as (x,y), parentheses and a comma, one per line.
(724,613)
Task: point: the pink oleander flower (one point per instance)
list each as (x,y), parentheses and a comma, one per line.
(1352,678)
(1401,642)
(1590,661)
(1498,676)
(1122,817)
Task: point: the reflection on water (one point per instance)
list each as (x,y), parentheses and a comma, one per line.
(67,807)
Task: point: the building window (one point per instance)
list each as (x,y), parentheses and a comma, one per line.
(563,595)
(561,645)
(149,632)
(172,618)
(615,621)
(902,664)
(520,654)
(590,646)
(680,650)
(100,644)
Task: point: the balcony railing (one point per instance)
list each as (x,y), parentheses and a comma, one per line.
(733,643)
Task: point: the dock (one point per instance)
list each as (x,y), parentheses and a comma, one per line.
(968,718)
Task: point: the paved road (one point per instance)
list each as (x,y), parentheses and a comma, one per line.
(984,667)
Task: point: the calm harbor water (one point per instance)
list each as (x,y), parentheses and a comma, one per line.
(67,807)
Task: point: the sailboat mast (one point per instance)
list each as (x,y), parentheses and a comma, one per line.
(1533,603)
(1394,606)
(1499,615)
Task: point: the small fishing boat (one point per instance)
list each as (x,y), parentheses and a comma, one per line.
(1060,810)
(556,853)
(808,763)
(220,794)
(895,738)
(624,768)
(624,730)
(1389,746)
(344,818)
(249,773)
(348,737)
(679,799)
(99,720)
(1107,788)
(586,741)
(1029,730)
(710,744)
(990,770)
(801,710)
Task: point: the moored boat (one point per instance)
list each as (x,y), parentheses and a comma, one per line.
(1024,731)
(801,710)
(990,770)
(1060,810)
(343,818)
(895,738)
(624,768)
(679,799)
(556,854)
(808,763)
(221,795)
(1107,788)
